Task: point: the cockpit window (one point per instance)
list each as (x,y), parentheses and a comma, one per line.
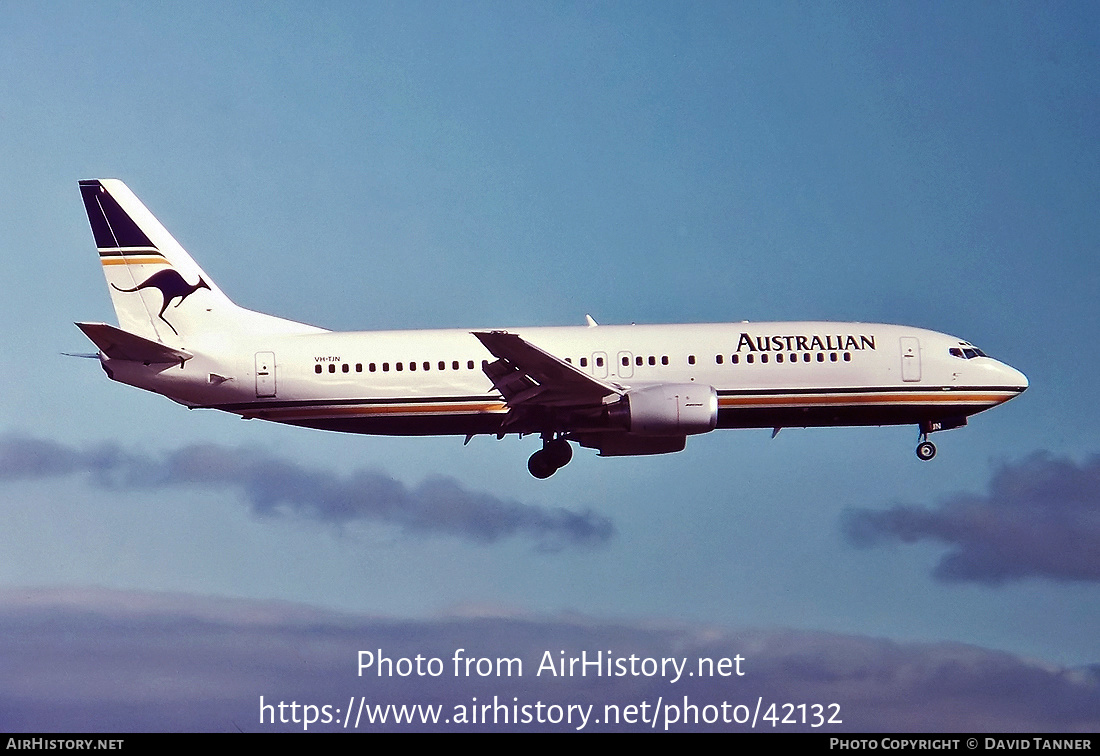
(967,353)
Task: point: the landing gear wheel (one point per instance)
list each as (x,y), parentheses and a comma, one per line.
(554,455)
(926,450)
(540,465)
(559,452)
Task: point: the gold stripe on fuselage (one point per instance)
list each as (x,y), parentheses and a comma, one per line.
(307,413)
(969,399)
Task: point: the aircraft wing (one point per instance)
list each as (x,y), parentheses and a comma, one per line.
(123,345)
(526,376)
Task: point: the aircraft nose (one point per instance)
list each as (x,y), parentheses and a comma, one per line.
(1014,378)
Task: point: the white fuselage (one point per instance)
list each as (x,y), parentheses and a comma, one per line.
(792,374)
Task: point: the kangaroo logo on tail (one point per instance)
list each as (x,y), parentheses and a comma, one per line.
(171,285)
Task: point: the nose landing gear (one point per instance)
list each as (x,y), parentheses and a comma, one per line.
(554,455)
(925,449)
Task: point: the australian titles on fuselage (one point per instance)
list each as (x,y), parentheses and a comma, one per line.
(803,343)
(623,390)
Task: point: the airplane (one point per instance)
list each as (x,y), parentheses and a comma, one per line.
(619,389)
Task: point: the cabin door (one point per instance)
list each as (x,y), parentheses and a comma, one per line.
(265,374)
(910,358)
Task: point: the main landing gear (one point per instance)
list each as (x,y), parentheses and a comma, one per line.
(554,455)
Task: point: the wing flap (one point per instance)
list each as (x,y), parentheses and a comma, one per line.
(123,345)
(528,376)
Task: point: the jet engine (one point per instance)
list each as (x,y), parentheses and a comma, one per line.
(668,409)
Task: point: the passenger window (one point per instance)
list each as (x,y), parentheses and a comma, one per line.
(331,368)
(806,357)
(638,360)
(664,359)
(584,362)
(359,367)
(820,357)
(442,365)
(691,359)
(718,359)
(454,365)
(847,356)
(751,358)
(412,366)
(599,362)
(569,360)
(778,358)
(427,366)
(371,367)
(626,361)
(763,358)
(735,359)
(832,356)
(385,367)
(469,364)
(316,368)
(398,367)
(652,360)
(346,367)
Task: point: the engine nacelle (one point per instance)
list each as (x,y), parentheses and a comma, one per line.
(669,409)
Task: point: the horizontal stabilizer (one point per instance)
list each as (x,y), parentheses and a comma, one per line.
(123,345)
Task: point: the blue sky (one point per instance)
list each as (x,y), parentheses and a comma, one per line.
(406,165)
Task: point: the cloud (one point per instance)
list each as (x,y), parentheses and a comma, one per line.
(95,660)
(275,486)
(1039,518)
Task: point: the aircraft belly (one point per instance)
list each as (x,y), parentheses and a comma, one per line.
(886,407)
(439,425)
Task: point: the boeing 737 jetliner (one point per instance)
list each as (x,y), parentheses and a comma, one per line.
(623,390)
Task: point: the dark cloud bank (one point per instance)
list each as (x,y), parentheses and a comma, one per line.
(1040,518)
(275,486)
(96,660)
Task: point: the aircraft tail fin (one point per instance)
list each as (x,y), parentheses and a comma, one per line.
(158,291)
